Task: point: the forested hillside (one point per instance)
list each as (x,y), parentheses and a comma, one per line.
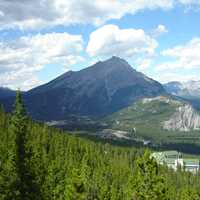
(37,162)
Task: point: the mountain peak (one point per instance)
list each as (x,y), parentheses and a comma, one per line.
(112,65)
(98,90)
(117,60)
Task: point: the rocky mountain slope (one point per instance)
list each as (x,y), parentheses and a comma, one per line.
(184,119)
(101,89)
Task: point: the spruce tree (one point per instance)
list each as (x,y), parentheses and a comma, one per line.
(75,188)
(189,193)
(25,184)
(148,183)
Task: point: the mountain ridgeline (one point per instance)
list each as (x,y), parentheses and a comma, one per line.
(99,90)
(189,91)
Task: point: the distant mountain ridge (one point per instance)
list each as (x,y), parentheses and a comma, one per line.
(98,90)
(190,89)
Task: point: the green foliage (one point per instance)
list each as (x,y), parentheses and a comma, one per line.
(149,184)
(75,188)
(189,193)
(24,185)
(37,162)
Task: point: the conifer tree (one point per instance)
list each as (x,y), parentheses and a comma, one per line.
(25,185)
(189,193)
(2,116)
(75,188)
(1,109)
(148,184)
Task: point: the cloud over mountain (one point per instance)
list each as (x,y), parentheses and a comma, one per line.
(20,59)
(111,40)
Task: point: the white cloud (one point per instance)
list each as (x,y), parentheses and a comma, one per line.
(144,64)
(170,76)
(183,63)
(110,40)
(190,2)
(21,59)
(183,57)
(41,13)
(161,29)
(19,80)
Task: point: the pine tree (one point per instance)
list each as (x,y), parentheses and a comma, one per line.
(75,188)
(2,116)
(25,184)
(189,193)
(2,111)
(148,184)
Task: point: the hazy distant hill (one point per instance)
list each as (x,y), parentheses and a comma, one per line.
(190,89)
(187,90)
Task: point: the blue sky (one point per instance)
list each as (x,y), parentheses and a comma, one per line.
(39,40)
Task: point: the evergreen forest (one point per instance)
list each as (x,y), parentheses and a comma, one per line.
(42,163)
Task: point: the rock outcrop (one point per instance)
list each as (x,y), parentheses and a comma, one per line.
(184,119)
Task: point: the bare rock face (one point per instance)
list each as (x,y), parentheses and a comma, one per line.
(184,119)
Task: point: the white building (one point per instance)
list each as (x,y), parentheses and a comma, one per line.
(174,160)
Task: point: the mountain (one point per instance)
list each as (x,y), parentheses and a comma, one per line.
(173,87)
(6,92)
(190,89)
(162,119)
(187,90)
(98,90)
